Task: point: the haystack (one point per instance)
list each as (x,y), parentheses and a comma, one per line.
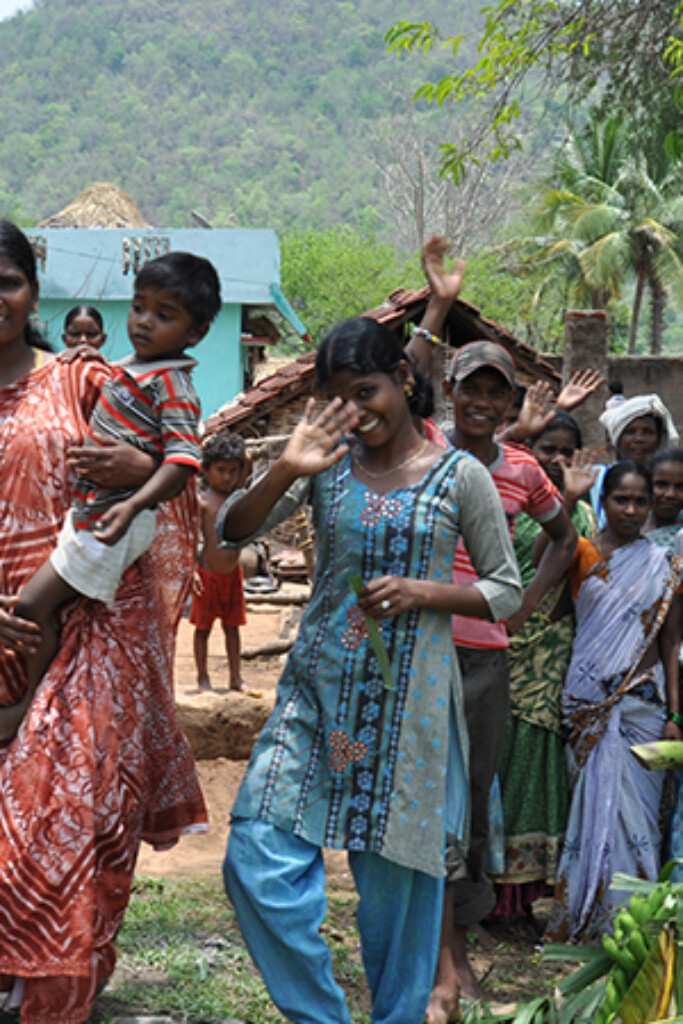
(103,205)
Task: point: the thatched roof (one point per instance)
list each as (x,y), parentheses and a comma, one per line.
(103,205)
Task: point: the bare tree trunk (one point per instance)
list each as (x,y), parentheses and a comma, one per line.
(417,201)
(635,316)
(658,299)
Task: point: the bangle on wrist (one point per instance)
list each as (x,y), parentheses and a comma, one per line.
(676,719)
(427,335)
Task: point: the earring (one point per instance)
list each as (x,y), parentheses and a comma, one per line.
(408,390)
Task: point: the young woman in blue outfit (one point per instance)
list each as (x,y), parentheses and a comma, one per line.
(358,755)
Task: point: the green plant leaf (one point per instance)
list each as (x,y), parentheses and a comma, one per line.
(375,638)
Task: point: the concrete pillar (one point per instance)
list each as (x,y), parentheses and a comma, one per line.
(585,348)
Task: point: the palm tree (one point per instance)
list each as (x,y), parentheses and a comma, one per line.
(604,220)
(639,235)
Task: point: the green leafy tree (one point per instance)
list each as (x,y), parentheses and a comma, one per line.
(508,297)
(331,275)
(611,53)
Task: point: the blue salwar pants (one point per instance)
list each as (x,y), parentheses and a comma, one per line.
(276,882)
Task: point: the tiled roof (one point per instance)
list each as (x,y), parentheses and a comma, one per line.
(465,323)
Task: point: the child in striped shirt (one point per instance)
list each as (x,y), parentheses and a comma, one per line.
(150,403)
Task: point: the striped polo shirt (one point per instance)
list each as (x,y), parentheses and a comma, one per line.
(151,405)
(523,487)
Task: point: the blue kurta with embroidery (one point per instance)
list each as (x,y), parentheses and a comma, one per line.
(344,761)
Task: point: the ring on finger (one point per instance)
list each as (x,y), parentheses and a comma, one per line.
(385,605)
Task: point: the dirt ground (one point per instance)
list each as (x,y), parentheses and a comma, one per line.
(221,727)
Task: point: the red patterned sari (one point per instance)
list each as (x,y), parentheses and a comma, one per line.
(100,762)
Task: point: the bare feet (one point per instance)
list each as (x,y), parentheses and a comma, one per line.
(204,683)
(444,1005)
(467,981)
(469,986)
(239,685)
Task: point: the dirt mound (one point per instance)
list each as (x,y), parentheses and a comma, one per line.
(222,722)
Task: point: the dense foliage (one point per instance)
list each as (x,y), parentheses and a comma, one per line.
(605,54)
(331,275)
(254,113)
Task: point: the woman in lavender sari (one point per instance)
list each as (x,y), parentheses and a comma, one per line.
(621,689)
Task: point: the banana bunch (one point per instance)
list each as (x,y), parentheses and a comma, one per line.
(659,755)
(636,930)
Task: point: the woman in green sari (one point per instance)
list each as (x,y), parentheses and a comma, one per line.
(532,773)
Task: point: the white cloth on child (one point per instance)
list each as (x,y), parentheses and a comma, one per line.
(93,568)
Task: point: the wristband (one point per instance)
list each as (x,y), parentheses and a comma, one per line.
(427,335)
(676,719)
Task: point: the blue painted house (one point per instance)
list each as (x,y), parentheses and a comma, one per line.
(98,265)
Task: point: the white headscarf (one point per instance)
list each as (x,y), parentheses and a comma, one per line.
(616,420)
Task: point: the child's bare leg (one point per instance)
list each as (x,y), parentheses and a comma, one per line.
(38,601)
(201,658)
(232,649)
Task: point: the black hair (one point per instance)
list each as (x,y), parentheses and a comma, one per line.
(15,246)
(79,311)
(616,473)
(223,446)
(616,387)
(191,279)
(362,345)
(666,455)
(561,421)
(421,402)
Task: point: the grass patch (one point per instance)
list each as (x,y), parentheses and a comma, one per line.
(180,953)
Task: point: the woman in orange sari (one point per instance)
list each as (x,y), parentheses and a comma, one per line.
(99,762)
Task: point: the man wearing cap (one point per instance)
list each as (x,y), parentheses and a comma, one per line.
(481,385)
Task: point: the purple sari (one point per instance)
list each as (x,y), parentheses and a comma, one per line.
(608,705)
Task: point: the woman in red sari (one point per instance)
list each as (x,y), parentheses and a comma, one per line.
(99,762)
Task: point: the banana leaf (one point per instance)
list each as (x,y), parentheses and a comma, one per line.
(653,995)
(375,638)
(538,1011)
(668,869)
(660,754)
(581,1007)
(649,997)
(579,980)
(678,984)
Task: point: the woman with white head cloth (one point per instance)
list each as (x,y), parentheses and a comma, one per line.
(636,429)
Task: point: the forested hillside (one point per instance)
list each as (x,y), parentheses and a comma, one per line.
(255,112)
(293,116)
